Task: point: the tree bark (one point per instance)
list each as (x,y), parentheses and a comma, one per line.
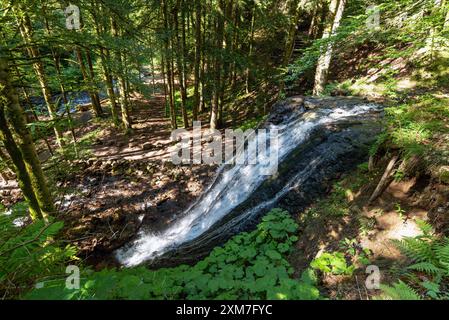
(123,96)
(169,69)
(26,32)
(336,13)
(55,57)
(294,13)
(180,63)
(248,73)
(218,67)
(87,80)
(26,145)
(198,42)
(314,21)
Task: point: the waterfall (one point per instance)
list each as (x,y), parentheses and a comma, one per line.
(233,185)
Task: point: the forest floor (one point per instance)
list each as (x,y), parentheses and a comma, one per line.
(346,222)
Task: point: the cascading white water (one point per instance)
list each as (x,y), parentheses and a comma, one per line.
(234,185)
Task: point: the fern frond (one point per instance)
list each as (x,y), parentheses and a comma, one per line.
(399,291)
(426,267)
(416,249)
(425,227)
(442,254)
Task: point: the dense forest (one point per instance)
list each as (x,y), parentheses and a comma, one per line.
(94,94)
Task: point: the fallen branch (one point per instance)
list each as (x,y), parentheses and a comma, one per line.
(386,180)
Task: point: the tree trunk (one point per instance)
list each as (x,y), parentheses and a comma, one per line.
(295,11)
(26,146)
(26,32)
(202,105)
(107,74)
(314,21)
(88,81)
(235,46)
(124,104)
(336,13)
(55,58)
(248,74)
(92,81)
(165,83)
(169,69)
(19,167)
(107,78)
(218,68)
(180,63)
(196,102)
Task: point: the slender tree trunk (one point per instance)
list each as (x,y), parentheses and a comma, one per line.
(180,62)
(251,40)
(446,19)
(165,83)
(235,46)
(202,105)
(107,78)
(313,23)
(88,81)
(322,70)
(55,57)
(92,81)
(124,104)
(218,68)
(33,52)
(26,144)
(19,167)
(30,105)
(196,95)
(107,74)
(168,61)
(290,43)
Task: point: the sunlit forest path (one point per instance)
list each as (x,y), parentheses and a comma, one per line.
(151,131)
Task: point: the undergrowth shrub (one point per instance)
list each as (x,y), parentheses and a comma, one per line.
(249,266)
(28,252)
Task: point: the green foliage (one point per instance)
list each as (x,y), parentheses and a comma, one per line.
(252,123)
(28,251)
(249,266)
(399,291)
(429,256)
(416,128)
(333,263)
(336,204)
(399,210)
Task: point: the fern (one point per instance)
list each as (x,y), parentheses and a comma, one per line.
(425,227)
(416,249)
(399,291)
(442,254)
(430,255)
(426,267)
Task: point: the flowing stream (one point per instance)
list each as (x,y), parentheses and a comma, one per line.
(220,209)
